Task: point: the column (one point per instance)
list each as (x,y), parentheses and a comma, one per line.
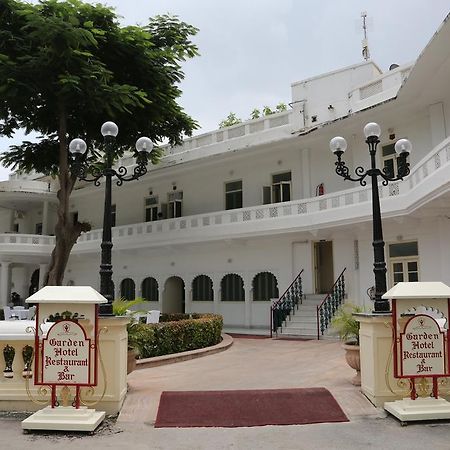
(437,123)
(42,273)
(217,294)
(45,219)
(11,219)
(5,275)
(248,303)
(160,281)
(187,299)
(306,173)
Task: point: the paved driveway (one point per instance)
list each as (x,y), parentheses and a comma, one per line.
(249,364)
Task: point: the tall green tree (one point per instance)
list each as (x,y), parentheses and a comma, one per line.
(65,68)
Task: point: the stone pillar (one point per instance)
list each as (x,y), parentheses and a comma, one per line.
(437,123)
(217,294)
(42,273)
(248,304)
(45,219)
(160,281)
(5,278)
(306,173)
(113,351)
(187,299)
(377,378)
(11,220)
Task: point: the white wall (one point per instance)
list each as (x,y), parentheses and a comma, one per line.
(331,89)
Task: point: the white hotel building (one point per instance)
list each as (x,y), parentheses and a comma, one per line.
(227,220)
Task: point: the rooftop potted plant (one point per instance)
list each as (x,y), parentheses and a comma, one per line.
(348,328)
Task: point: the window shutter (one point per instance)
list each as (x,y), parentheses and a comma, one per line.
(178,208)
(267,195)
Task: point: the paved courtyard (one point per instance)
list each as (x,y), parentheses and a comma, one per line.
(248,364)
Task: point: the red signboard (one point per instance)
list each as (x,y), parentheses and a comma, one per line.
(66,356)
(422,348)
(421,343)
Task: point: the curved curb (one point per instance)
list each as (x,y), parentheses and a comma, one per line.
(227,342)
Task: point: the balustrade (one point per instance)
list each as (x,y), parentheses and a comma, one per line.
(286,305)
(436,160)
(329,305)
(16,353)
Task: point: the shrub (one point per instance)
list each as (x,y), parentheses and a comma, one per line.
(179,335)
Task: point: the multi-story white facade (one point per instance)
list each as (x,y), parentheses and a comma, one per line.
(241,207)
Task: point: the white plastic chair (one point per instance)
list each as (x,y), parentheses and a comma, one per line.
(153,316)
(18,307)
(31,312)
(9,314)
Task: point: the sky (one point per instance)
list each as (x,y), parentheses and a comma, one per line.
(252,50)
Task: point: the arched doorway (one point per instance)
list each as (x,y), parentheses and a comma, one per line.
(173,297)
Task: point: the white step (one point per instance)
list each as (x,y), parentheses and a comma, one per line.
(299,329)
(303,324)
(298,319)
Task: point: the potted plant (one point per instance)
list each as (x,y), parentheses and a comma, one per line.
(121,307)
(348,328)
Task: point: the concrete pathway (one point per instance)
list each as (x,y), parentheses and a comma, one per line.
(248,364)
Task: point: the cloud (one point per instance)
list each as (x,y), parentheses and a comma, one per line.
(252,50)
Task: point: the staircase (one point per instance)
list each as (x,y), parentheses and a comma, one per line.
(306,316)
(303,323)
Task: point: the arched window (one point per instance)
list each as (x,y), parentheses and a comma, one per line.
(232,288)
(128,289)
(150,289)
(265,286)
(202,289)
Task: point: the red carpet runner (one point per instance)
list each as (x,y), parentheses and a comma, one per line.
(247,408)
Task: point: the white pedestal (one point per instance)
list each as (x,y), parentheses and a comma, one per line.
(64,418)
(420,409)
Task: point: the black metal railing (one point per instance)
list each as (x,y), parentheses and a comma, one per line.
(330,304)
(286,305)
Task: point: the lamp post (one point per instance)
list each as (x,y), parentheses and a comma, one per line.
(93,172)
(338,145)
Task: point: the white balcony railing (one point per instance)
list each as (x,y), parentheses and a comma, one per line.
(434,161)
(429,175)
(239,130)
(383,87)
(222,135)
(19,185)
(26,239)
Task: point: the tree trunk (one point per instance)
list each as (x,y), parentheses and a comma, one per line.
(66,233)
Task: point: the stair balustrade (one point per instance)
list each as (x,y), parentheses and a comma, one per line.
(329,305)
(286,305)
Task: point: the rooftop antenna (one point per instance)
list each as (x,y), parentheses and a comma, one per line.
(365,42)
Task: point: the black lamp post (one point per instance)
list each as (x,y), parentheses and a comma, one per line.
(338,145)
(92,172)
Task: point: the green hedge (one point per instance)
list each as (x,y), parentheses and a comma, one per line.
(176,333)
